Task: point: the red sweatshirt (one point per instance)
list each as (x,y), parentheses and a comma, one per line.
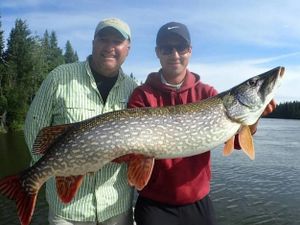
(182,180)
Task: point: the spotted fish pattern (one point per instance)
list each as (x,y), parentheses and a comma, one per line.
(138,136)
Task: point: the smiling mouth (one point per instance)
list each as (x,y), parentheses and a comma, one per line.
(174,62)
(108,56)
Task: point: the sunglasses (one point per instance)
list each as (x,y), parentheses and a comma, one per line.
(168,49)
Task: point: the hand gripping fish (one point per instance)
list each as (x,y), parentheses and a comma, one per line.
(138,136)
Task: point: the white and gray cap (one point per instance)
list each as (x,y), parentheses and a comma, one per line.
(115,23)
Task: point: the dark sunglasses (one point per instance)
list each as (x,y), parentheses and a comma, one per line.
(168,49)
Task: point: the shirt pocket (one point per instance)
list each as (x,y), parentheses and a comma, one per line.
(120,104)
(75,114)
(71,113)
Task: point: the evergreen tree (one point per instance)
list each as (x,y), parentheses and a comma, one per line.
(76,56)
(70,56)
(23,65)
(133,78)
(19,67)
(51,52)
(286,110)
(56,57)
(3,99)
(1,42)
(46,52)
(40,67)
(1,60)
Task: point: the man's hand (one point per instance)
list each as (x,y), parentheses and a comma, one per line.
(269,108)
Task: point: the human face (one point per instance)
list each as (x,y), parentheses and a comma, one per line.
(110,50)
(174,55)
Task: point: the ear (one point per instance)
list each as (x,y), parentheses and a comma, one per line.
(128,43)
(157,52)
(190,52)
(128,47)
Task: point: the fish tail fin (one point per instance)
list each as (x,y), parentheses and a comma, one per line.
(11,188)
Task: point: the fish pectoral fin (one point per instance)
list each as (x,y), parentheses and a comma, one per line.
(67,187)
(124,158)
(229,147)
(139,171)
(246,142)
(47,136)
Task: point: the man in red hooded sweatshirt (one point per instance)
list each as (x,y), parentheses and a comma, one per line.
(178,190)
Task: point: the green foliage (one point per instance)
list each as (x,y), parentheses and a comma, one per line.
(40,68)
(133,78)
(1,41)
(56,55)
(287,110)
(23,66)
(52,53)
(1,63)
(3,103)
(3,99)
(70,56)
(19,65)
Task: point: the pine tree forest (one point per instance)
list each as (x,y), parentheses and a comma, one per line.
(25,60)
(286,110)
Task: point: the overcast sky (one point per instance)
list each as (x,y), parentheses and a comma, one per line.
(232,40)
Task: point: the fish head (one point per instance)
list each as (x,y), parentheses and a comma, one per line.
(246,102)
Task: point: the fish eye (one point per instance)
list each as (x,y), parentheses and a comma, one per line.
(252,82)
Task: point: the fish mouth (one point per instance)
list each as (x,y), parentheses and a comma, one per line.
(281,71)
(273,76)
(272,80)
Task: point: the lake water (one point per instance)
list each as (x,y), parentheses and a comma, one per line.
(265,191)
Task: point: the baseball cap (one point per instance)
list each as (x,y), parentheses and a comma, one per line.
(172,28)
(115,23)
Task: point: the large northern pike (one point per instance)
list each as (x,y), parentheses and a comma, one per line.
(139,136)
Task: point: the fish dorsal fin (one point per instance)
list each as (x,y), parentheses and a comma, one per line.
(229,146)
(47,136)
(246,142)
(67,187)
(139,171)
